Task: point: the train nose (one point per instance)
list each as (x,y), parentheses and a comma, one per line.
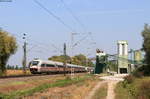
(33,70)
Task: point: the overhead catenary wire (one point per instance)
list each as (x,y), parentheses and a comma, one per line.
(37,44)
(74,16)
(59,19)
(80,41)
(46,45)
(53,15)
(33,45)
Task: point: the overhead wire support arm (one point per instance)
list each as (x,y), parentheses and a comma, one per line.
(80,41)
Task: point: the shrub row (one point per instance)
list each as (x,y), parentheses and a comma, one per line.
(136,88)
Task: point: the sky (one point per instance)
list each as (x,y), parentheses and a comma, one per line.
(97,24)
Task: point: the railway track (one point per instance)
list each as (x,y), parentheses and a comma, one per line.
(17,76)
(32,75)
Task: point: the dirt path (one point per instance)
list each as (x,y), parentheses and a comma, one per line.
(90,95)
(112,81)
(110,91)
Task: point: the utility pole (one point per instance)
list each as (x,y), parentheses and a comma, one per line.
(24,63)
(72,48)
(65,61)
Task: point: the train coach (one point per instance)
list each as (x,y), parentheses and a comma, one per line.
(38,66)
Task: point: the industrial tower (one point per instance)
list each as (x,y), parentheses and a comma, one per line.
(122,57)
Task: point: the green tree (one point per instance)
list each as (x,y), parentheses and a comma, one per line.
(90,63)
(16,67)
(146,43)
(77,60)
(80,60)
(8,46)
(74,60)
(146,47)
(60,58)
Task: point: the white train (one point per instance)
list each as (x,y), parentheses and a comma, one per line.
(42,66)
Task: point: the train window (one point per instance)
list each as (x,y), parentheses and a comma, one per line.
(42,65)
(69,66)
(60,66)
(49,65)
(35,62)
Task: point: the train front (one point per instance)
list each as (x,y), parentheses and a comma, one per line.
(34,66)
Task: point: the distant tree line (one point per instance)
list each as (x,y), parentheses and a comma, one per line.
(9,67)
(77,60)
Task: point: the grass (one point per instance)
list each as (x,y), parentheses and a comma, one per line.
(13,83)
(132,90)
(40,88)
(121,92)
(101,93)
(16,72)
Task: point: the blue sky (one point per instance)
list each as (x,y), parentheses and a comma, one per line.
(107,20)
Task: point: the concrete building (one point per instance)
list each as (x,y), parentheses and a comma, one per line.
(122,56)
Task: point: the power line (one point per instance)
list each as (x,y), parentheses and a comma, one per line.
(46,45)
(74,16)
(78,42)
(37,44)
(53,15)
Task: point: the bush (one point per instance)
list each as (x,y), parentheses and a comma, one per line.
(144,90)
(138,74)
(142,71)
(127,80)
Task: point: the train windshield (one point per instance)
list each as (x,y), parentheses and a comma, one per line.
(35,63)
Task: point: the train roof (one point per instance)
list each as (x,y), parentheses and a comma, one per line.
(58,63)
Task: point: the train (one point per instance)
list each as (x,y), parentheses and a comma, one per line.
(38,66)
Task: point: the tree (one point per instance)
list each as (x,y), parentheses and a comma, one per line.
(145,69)
(60,58)
(16,67)
(146,43)
(77,60)
(8,46)
(80,60)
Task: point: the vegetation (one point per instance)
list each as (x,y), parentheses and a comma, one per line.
(133,88)
(77,60)
(141,71)
(146,47)
(40,88)
(137,85)
(16,72)
(8,47)
(60,58)
(121,92)
(13,67)
(72,91)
